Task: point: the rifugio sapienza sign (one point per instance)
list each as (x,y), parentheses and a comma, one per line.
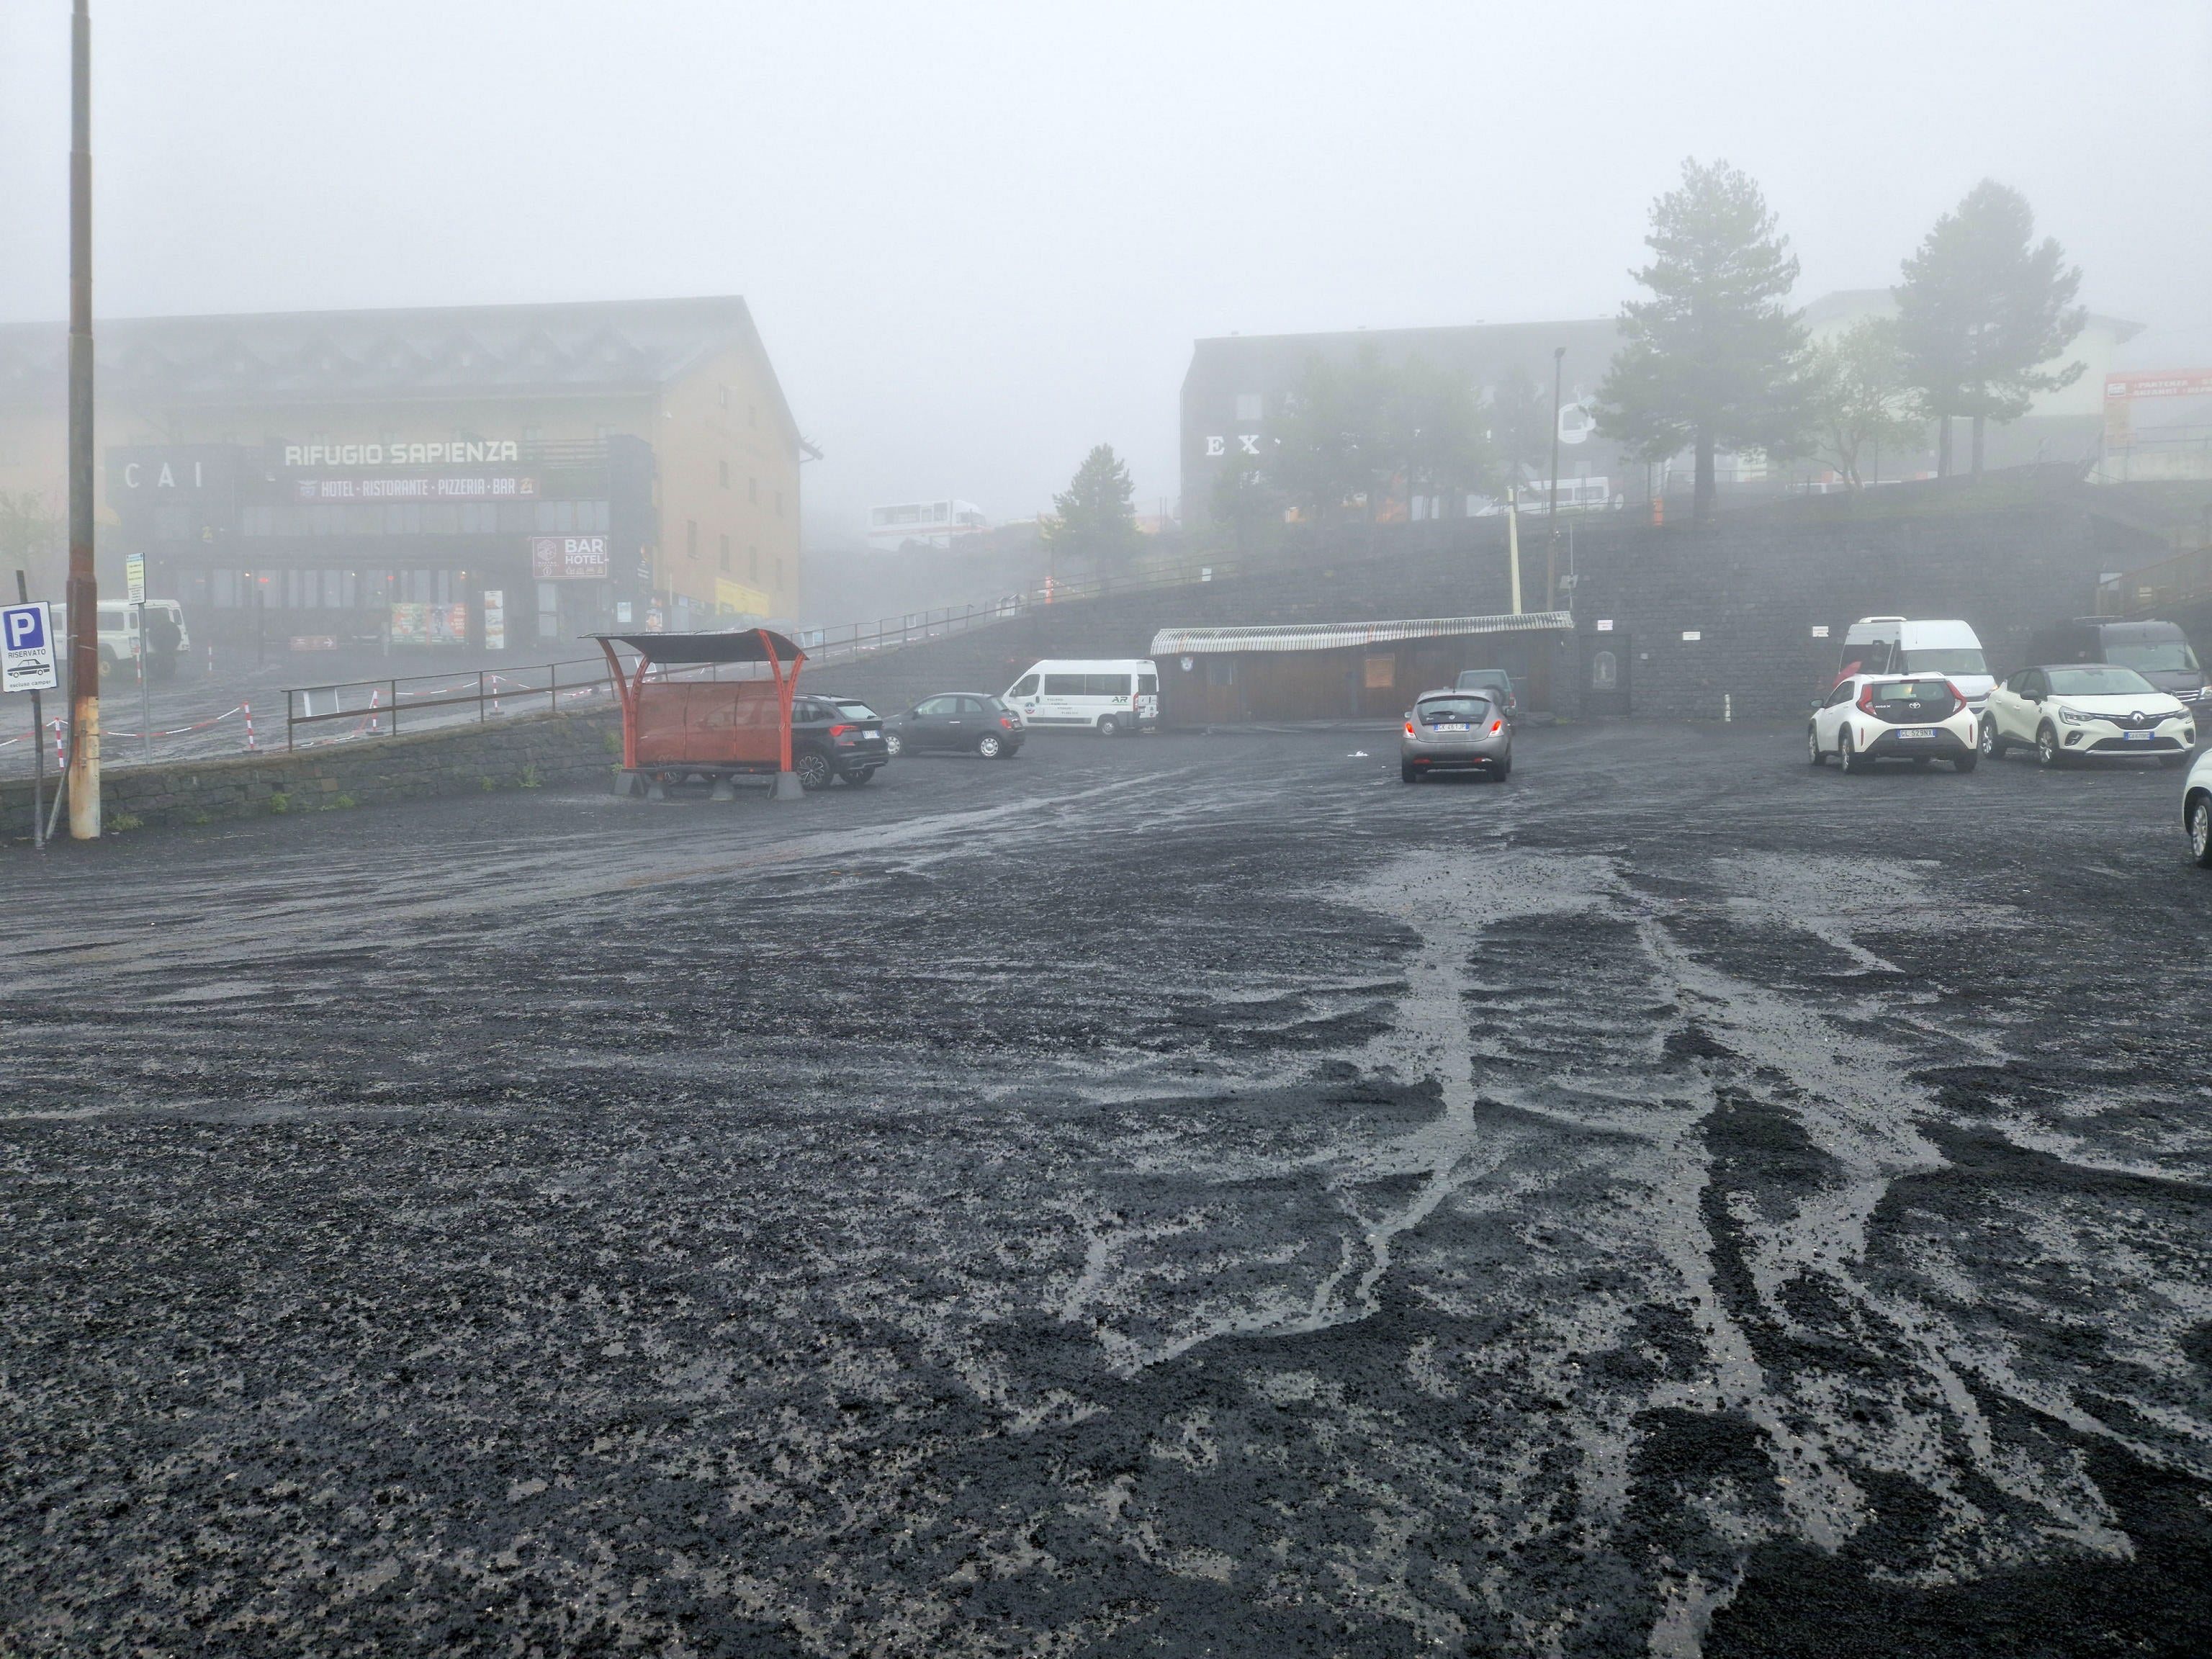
(568,558)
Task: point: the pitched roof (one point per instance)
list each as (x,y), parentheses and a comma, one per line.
(425,354)
(1334,637)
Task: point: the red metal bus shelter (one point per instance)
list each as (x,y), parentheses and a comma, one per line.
(683,721)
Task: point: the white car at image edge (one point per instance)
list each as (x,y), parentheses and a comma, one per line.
(2197,809)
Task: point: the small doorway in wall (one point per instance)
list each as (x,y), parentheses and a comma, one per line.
(1605,659)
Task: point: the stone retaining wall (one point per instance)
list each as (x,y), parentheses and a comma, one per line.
(532,750)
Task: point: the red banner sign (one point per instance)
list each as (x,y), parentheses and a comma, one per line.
(2161,383)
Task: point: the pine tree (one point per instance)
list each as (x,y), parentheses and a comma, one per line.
(1095,519)
(1980,312)
(1714,357)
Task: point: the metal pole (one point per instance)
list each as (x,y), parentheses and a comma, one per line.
(38,740)
(145,689)
(1513,546)
(1551,514)
(84,581)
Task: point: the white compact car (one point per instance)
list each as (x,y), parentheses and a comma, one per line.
(1871,717)
(2063,710)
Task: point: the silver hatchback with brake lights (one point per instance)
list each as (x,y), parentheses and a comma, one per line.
(2067,710)
(1872,717)
(1451,731)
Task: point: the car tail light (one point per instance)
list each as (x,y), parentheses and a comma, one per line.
(1006,720)
(1409,728)
(1956,693)
(840,731)
(1866,696)
(1496,726)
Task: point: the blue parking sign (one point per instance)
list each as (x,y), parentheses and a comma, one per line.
(27,648)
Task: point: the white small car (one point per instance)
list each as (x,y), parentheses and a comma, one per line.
(2197,810)
(2063,710)
(1871,717)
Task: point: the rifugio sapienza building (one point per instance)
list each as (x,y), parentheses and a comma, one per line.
(494,476)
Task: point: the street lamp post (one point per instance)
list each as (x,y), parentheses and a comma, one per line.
(83,582)
(1551,515)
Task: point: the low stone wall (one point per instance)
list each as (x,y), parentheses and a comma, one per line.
(532,750)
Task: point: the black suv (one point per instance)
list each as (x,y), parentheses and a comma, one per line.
(835,738)
(973,721)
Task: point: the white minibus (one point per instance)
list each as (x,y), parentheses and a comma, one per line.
(1108,697)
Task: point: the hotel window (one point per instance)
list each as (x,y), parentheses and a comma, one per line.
(752,414)
(723,467)
(752,566)
(726,553)
(723,394)
(778,576)
(752,490)
(691,539)
(778,503)
(1247,406)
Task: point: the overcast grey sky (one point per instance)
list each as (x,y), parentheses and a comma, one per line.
(979,239)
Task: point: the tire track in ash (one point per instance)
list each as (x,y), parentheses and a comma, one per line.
(1696,1173)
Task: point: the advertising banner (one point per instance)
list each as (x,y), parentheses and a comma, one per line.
(495,607)
(568,558)
(414,623)
(736,596)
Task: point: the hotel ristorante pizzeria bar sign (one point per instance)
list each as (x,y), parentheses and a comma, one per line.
(568,558)
(443,487)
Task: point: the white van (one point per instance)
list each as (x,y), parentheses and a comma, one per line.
(1899,645)
(118,634)
(1108,697)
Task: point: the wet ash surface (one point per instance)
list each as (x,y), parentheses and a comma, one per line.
(1179,1196)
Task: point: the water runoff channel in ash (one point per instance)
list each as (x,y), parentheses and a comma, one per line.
(1330,1217)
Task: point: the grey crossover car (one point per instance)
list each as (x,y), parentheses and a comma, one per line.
(1451,731)
(1494,684)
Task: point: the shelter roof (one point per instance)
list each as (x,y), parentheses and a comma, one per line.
(1335,636)
(749,645)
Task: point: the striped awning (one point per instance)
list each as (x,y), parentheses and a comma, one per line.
(1335,636)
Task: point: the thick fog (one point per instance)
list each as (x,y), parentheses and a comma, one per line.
(980,239)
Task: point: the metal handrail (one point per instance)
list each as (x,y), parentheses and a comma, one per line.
(822,645)
(489,694)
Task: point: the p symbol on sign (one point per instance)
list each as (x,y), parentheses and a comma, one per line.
(24,629)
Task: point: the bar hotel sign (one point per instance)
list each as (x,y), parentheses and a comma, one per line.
(569,558)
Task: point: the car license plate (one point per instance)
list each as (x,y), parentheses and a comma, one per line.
(1916,732)
(2135,736)
(1449,728)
